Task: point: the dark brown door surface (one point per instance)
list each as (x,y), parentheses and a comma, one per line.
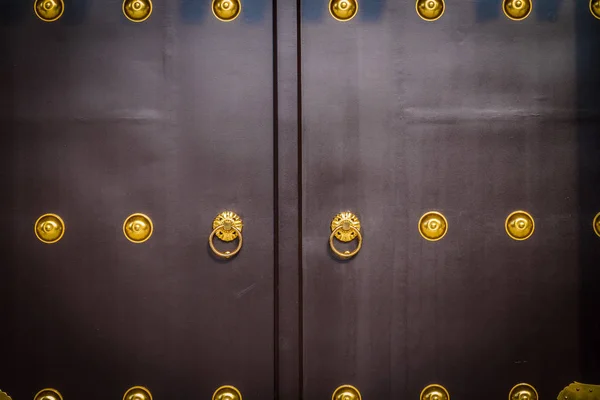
(101,118)
(473,116)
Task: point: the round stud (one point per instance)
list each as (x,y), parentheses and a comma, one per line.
(519,225)
(49,228)
(523,391)
(138,228)
(430,10)
(49,10)
(433,226)
(227,393)
(4,396)
(517,10)
(343,10)
(434,392)
(596,224)
(48,394)
(137,10)
(226,10)
(137,393)
(595,8)
(346,392)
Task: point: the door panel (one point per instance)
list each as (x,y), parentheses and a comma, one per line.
(104,118)
(474,116)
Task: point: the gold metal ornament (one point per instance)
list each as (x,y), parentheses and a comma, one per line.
(433,226)
(4,396)
(519,225)
(596,224)
(48,394)
(434,392)
(343,10)
(346,392)
(138,228)
(523,391)
(430,10)
(226,10)
(227,226)
(517,10)
(137,10)
(580,391)
(49,10)
(227,393)
(49,228)
(137,393)
(345,227)
(595,8)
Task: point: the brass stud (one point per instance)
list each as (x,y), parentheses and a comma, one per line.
(4,396)
(49,228)
(517,10)
(430,10)
(138,228)
(433,226)
(343,10)
(48,10)
(596,224)
(595,8)
(137,393)
(519,225)
(227,392)
(434,392)
(226,10)
(137,10)
(523,391)
(346,392)
(48,394)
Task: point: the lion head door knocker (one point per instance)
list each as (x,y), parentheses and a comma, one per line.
(345,227)
(523,391)
(517,10)
(227,226)
(49,228)
(48,394)
(519,225)
(430,10)
(580,391)
(595,8)
(596,224)
(48,10)
(343,10)
(433,226)
(227,393)
(434,392)
(346,392)
(226,10)
(137,393)
(137,10)
(138,228)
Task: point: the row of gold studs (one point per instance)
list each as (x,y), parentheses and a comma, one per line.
(433,226)
(341,10)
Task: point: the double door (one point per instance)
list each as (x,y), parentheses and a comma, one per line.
(462,153)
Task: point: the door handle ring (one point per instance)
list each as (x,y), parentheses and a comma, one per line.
(227,226)
(345,227)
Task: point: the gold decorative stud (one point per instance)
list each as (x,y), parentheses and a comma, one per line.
(517,10)
(345,227)
(434,392)
(523,391)
(226,10)
(595,8)
(430,10)
(227,393)
(138,228)
(346,392)
(433,226)
(49,228)
(137,10)
(137,393)
(48,394)
(519,225)
(49,10)
(343,10)
(596,224)
(4,396)
(227,226)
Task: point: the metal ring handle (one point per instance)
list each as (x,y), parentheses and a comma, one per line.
(227,254)
(346,254)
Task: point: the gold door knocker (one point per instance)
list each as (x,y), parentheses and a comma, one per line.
(227,226)
(345,227)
